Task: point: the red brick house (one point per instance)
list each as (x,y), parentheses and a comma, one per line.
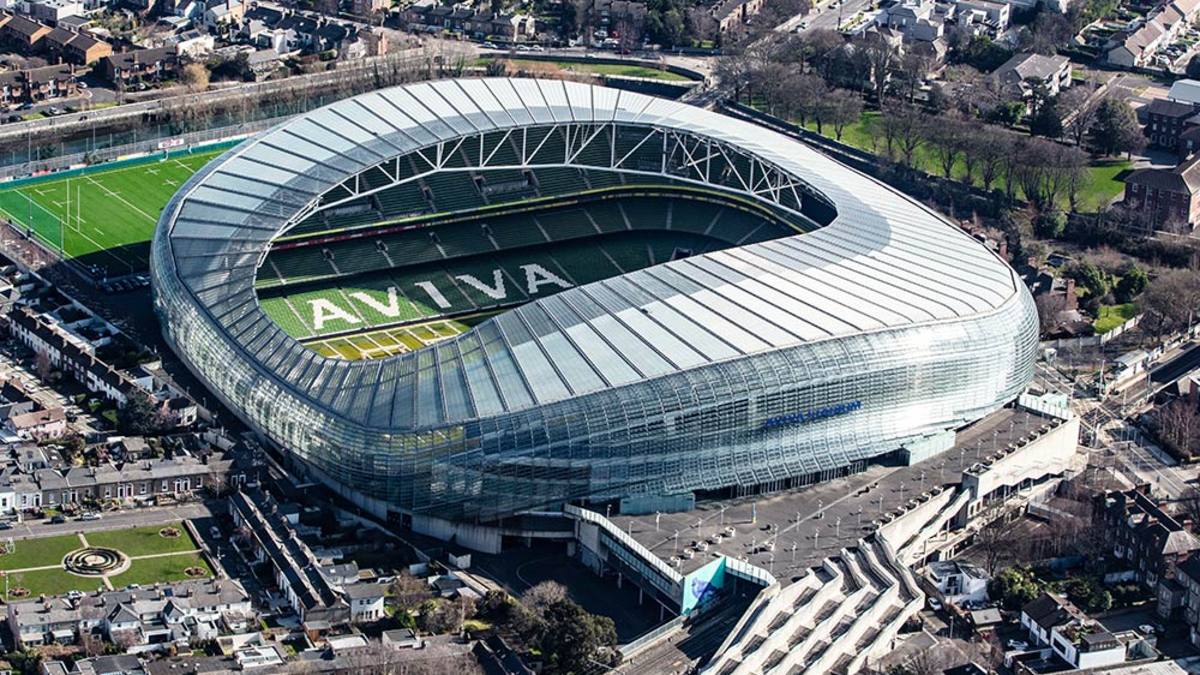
(1170,197)
(37,84)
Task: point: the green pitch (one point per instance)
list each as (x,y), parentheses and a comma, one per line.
(101,217)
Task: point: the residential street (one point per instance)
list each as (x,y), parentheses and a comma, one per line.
(118,520)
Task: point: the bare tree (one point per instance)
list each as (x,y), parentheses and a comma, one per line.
(881,58)
(946,139)
(1049,306)
(540,596)
(992,149)
(409,591)
(998,544)
(1170,302)
(906,127)
(1178,426)
(42,365)
(841,109)
(1081,108)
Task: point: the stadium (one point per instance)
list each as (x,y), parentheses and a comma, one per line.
(457,301)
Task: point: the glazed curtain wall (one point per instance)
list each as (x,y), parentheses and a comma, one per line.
(789,412)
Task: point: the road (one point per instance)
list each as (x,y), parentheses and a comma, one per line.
(825,15)
(117,520)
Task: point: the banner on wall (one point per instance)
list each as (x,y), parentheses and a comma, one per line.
(701,586)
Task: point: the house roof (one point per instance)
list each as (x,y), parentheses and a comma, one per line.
(25,27)
(1024,66)
(1168,108)
(1183,179)
(1137,41)
(1185,91)
(37,418)
(127,60)
(1049,610)
(364,591)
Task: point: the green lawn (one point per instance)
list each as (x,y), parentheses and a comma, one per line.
(103,217)
(1100,189)
(155,570)
(141,541)
(616,69)
(51,582)
(1112,316)
(39,552)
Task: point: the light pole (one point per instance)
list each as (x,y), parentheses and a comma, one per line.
(837,527)
(676,541)
(816,538)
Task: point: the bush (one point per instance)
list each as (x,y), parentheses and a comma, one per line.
(1050,225)
(1014,586)
(1131,285)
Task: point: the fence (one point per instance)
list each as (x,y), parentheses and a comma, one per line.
(137,149)
(1093,340)
(245,103)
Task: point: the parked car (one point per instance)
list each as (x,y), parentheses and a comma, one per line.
(58,520)
(5,525)
(90,515)
(1019,645)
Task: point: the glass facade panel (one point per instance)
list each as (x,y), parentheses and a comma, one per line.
(742,366)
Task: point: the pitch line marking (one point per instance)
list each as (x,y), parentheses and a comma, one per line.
(62,245)
(118,197)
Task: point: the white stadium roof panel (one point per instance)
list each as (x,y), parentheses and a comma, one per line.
(884,262)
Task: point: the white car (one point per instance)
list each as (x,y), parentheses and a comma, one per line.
(1018,645)
(90,515)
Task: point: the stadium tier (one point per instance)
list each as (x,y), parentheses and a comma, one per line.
(835,320)
(332,256)
(467,285)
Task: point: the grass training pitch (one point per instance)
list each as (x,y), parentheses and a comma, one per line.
(101,216)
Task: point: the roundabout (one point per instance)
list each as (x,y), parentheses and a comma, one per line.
(95,561)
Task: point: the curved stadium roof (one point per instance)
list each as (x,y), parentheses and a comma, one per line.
(884,262)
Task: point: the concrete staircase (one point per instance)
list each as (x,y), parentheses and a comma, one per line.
(844,612)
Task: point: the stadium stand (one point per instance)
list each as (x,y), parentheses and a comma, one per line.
(553,180)
(402,200)
(443,241)
(453,191)
(579,261)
